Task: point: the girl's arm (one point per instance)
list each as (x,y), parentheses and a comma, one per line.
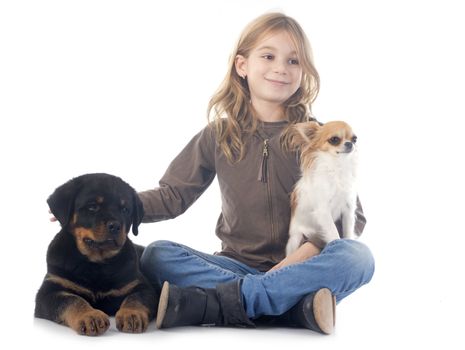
(186,178)
(305,252)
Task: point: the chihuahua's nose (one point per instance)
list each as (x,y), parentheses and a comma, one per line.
(113,227)
(348,145)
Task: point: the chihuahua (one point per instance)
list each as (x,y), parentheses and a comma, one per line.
(326,190)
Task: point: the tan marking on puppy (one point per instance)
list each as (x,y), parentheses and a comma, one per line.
(100,199)
(96,252)
(80,234)
(82,317)
(119,292)
(70,285)
(132,317)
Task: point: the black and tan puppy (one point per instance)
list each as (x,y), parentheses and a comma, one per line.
(92,266)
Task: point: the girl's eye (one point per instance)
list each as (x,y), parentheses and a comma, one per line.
(293,61)
(268,57)
(334,140)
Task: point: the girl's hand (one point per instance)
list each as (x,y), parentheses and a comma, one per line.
(52,218)
(305,252)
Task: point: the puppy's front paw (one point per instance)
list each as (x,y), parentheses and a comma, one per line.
(93,322)
(131,320)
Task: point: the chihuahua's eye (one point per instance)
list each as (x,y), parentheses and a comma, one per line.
(93,208)
(354,139)
(335,140)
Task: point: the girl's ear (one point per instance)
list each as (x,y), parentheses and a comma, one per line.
(240,63)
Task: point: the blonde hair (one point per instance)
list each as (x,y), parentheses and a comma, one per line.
(229,107)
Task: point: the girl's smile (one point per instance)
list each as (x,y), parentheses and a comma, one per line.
(277,82)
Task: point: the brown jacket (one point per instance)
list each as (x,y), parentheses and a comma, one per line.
(254,220)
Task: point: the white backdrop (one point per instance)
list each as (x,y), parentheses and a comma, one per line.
(121,87)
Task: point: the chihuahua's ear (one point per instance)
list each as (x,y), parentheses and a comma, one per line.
(61,201)
(302,133)
(137,214)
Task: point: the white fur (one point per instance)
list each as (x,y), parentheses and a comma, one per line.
(325,193)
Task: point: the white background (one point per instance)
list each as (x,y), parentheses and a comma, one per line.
(121,87)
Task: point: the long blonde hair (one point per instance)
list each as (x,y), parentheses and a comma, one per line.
(229,107)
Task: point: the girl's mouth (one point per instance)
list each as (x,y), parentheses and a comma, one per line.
(277,82)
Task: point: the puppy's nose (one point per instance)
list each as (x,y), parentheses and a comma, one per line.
(114,227)
(348,145)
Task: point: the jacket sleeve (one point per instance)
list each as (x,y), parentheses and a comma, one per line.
(360,220)
(186,178)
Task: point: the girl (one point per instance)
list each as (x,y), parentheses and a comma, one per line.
(270,85)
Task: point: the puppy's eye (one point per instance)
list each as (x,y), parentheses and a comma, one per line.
(354,139)
(125,210)
(335,140)
(93,208)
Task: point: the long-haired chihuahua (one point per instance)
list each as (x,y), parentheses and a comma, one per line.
(326,190)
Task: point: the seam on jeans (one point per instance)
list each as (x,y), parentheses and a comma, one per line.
(274,273)
(205,261)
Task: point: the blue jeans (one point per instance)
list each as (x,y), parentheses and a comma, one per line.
(343,266)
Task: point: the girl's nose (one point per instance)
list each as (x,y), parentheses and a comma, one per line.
(279,68)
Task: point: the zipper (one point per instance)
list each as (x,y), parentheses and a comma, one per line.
(263,178)
(263,171)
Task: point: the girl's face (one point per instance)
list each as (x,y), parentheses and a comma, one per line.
(272,69)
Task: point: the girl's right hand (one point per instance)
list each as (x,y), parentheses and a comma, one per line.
(52,218)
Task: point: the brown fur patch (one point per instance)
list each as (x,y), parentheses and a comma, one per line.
(311,137)
(94,253)
(133,316)
(82,317)
(67,284)
(293,202)
(119,292)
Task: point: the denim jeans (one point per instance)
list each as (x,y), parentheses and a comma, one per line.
(343,266)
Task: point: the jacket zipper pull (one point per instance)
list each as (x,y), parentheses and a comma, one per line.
(262,174)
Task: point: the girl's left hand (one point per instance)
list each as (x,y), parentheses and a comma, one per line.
(305,252)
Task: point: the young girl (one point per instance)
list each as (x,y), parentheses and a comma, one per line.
(270,85)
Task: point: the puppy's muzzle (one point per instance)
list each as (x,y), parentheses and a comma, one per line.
(113,227)
(105,244)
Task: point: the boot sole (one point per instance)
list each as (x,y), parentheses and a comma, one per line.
(162,305)
(324,310)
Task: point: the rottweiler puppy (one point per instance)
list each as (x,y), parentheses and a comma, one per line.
(92,266)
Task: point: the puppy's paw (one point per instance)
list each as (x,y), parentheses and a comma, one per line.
(92,322)
(131,320)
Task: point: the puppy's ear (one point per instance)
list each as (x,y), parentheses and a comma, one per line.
(138,213)
(61,201)
(302,133)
